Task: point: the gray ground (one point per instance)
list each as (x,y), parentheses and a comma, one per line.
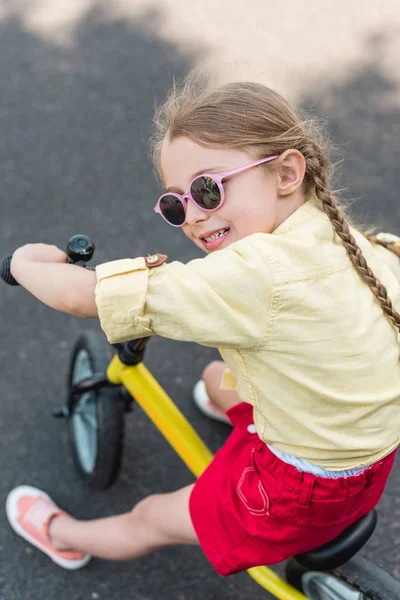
(73,158)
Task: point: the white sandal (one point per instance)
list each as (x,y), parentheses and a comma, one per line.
(203,403)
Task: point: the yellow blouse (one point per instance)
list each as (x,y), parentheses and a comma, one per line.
(304,338)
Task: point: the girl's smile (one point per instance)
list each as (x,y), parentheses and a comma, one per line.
(214,239)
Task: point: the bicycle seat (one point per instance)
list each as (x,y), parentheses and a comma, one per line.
(342,548)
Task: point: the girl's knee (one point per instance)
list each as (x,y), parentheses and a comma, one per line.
(163,519)
(143,510)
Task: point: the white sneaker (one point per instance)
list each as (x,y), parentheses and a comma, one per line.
(203,403)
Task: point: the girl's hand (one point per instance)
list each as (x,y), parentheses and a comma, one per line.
(38,253)
(42,269)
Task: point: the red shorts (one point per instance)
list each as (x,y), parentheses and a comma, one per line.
(250,508)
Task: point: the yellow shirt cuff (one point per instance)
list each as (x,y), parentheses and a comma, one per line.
(118,267)
(120,297)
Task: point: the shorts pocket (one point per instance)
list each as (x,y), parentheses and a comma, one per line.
(252,493)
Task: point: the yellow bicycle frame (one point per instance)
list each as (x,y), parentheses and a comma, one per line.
(180,434)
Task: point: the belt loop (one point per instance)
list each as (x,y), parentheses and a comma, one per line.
(369,475)
(306,490)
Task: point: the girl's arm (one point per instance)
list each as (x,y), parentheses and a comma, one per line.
(44,271)
(225,300)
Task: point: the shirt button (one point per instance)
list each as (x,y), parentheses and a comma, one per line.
(155,260)
(152,259)
(252,428)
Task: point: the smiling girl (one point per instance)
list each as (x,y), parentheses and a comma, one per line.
(301,307)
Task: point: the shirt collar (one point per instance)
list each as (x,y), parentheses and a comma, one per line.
(307,211)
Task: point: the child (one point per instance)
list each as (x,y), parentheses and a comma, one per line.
(301,307)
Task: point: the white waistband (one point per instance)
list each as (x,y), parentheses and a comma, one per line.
(303,465)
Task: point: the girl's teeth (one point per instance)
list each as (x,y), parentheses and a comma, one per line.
(216,235)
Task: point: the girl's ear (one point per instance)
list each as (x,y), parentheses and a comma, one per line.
(291,168)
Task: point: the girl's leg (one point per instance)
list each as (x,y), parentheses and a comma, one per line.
(212,375)
(157,521)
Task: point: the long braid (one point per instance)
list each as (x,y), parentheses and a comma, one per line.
(318,173)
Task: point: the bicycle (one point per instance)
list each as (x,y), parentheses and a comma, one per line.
(102,388)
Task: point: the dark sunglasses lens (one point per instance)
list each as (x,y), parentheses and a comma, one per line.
(172,210)
(206,193)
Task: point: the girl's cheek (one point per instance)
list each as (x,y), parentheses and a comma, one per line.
(192,238)
(186,231)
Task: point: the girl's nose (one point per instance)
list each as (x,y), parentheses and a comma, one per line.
(194,214)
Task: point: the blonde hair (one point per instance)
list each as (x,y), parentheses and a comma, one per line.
(253,117)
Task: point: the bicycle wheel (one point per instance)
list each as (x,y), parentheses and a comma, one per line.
(357,579)
(96,418)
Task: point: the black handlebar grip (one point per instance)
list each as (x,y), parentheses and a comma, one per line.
(80,248)
(5,272)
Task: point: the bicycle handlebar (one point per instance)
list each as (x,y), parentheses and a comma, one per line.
(80,250)
(5,272)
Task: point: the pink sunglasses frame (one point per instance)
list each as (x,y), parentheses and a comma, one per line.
(218,178)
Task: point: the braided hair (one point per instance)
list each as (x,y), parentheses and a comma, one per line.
(318,171)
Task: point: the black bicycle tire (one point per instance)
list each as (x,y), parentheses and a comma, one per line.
(110,408)
(357,572)
(369,579)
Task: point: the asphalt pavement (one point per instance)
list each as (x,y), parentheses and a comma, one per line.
(74,125)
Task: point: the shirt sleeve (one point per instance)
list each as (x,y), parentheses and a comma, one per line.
(222,300)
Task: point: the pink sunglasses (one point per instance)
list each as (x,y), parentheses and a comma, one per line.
(206,191)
